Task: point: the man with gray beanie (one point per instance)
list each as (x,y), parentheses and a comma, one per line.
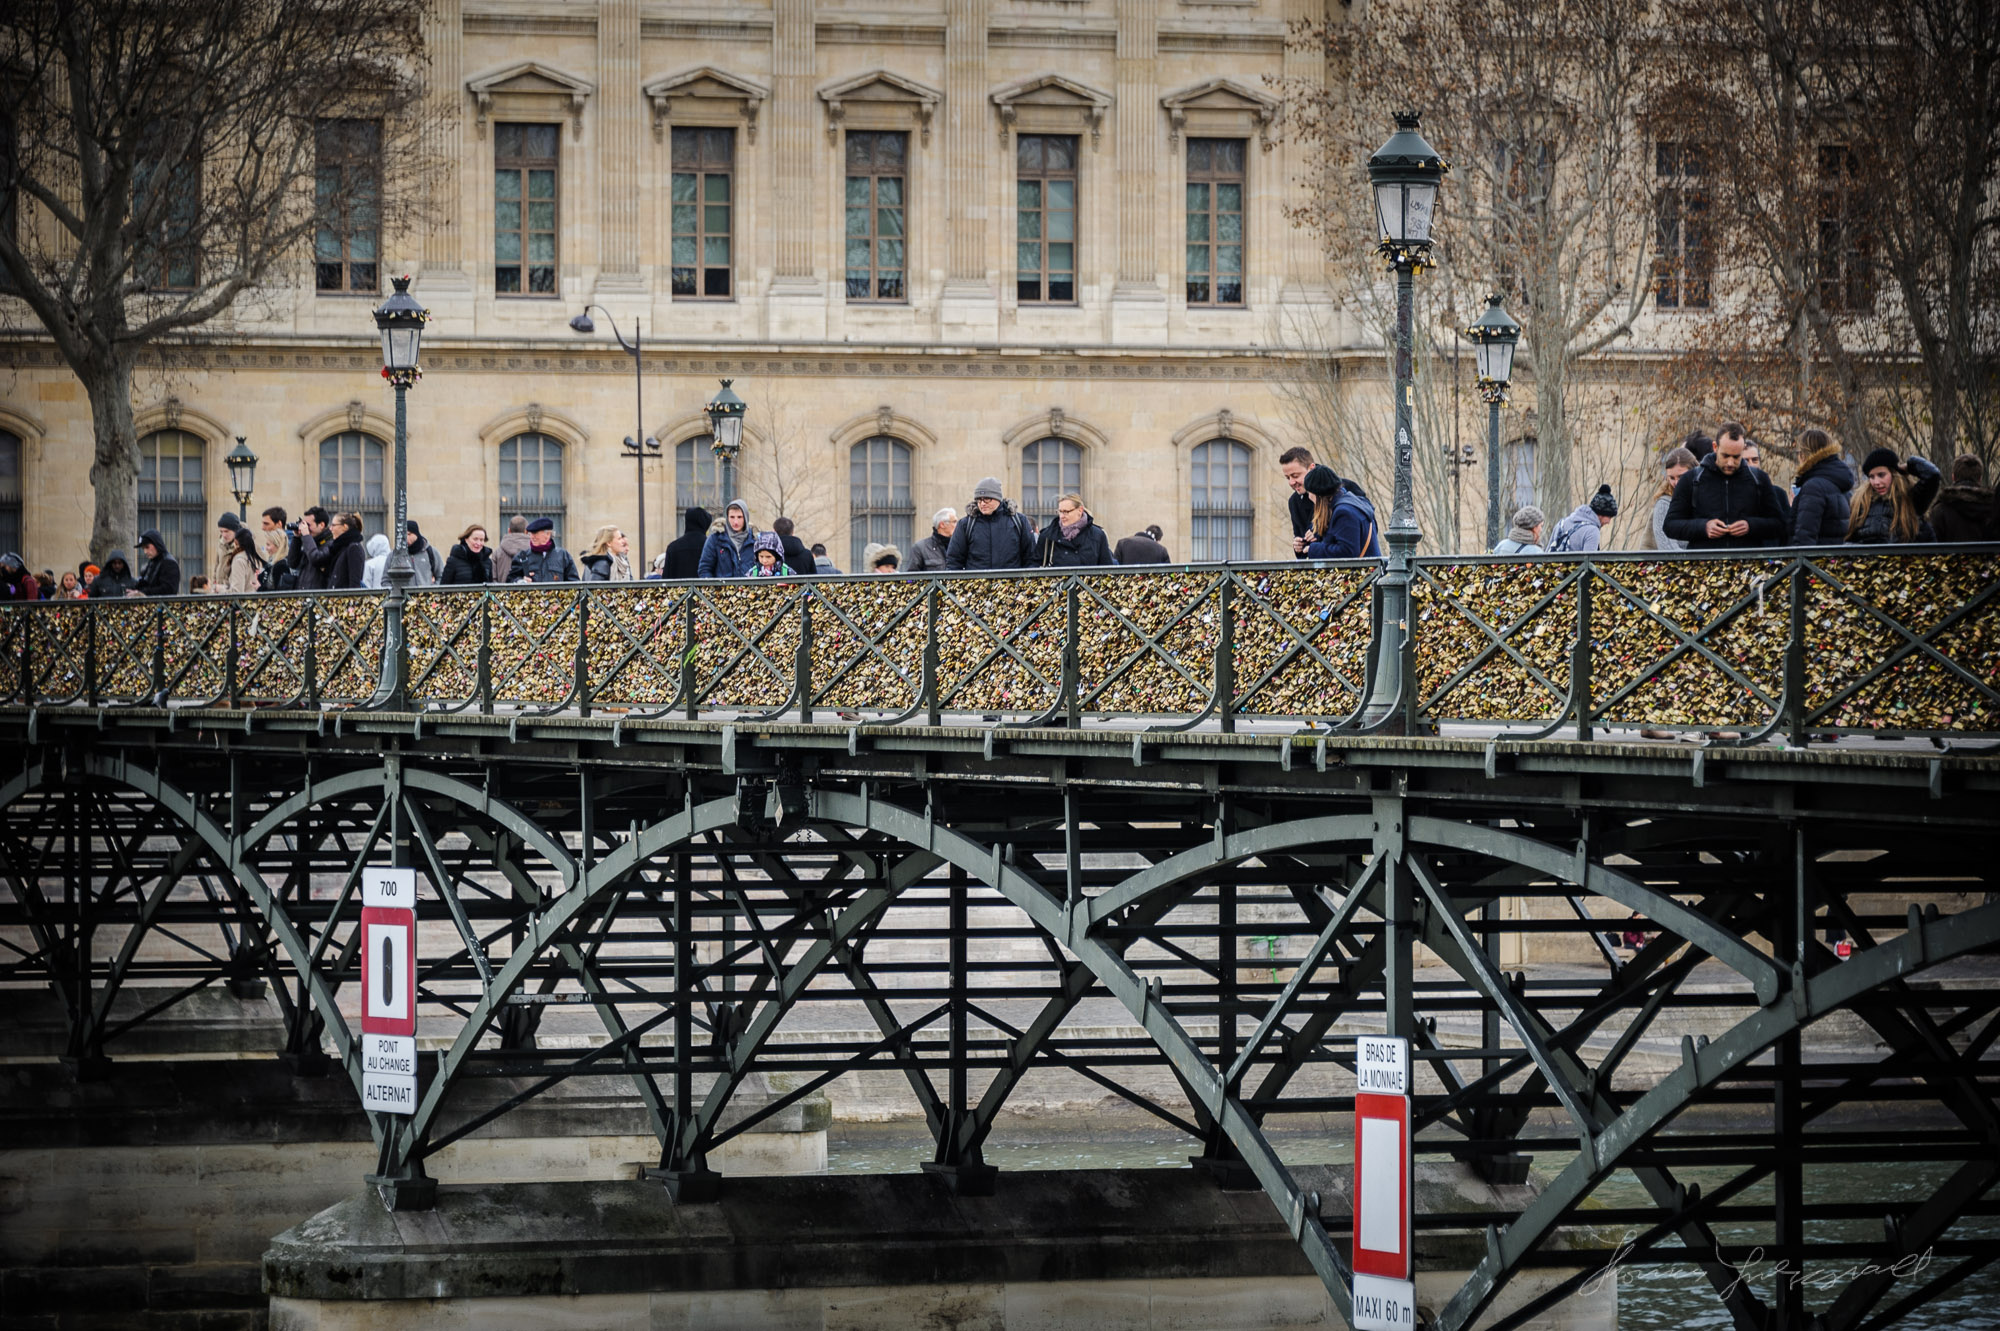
(992,534)
(1579,532)
(927,555)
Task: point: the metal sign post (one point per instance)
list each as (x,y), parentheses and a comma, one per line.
(389,990)
(1384,1295)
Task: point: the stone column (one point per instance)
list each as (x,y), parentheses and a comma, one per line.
(443,251)
(969,307)
(1138,299)
(619,131)
(797,300)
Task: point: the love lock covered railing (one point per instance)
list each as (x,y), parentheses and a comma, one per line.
(1795,642)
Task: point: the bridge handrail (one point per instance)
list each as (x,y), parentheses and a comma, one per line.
(1903,638)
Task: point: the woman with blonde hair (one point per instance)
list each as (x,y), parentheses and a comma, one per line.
(1673,466)
(609,558)
(1890,507)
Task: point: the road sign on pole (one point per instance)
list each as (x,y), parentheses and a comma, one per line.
(1384,1305)
(1384,1294)
(389,990)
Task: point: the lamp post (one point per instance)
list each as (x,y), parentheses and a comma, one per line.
(242,464)
(638,445)
(725,426)
(401,321)
(1405,174)
(1494,335)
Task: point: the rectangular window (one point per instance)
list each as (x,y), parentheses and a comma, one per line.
(347,190)
(10,491)
(1845,258)
(525,166)
(166,210)
(1215,221)
(1683,264)
(1045,218)
(9,198)
(875,254)
(704,166)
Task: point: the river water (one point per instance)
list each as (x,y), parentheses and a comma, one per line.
(1650,1298)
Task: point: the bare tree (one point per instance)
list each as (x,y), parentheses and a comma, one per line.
(1538,109)
(783,473)
(161,160)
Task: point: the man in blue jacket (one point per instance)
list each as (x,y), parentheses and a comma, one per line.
(1349,531)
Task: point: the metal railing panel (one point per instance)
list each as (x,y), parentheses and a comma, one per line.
(868,642)
(347,633)
(1689,644)
(638,635)
(746,643)
(1302,637)
(1147,642)
(272,635)
(1493,638)
(444,630)
(535,634)
(1000,641)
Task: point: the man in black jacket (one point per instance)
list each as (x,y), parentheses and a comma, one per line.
(307,556)
(1142,547)
(684,551)
(1722,504)
(162,574)
(785,531)
(991,534)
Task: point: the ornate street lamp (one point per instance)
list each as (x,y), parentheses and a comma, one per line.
(1494,335)
(635,449)
(1405,174)
(401,322)
(725,426)
(242,464)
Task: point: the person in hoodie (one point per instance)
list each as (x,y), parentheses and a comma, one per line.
(683,555)
(1343,522)
(1821,506)
(514,543)
(425,562)
(161,575)
(16,583)
(470,562)
(1890,507)
(927,555)
(345,560)
(731,552)
(609,558)
(1583,529)
(1722,504)
(1965,510)
(768,550)
(543,561)
(1072,539)
(991,534)
(114,579)
(377,562)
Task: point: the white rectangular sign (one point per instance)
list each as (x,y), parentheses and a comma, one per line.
(1379,1178)
(389,1095)
(389,1055)
(1381,1065)
(1381,1304)
(388,887)
(386,990)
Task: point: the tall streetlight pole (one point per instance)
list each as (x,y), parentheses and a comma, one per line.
(401,322)
(638,445)
(725,426)
(1405,174)
(1494,335)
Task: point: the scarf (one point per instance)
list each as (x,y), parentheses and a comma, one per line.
(541,540)
(1069,530)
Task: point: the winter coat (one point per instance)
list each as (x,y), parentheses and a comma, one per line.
(1004,540)
(1709,494)
(1819,513)
(22,587)
(1662,541)
(465,569)
(1299,505)
(1350,533)
(1964,513)
(1783,503)
(377,562)
(1090,549)
(1577,533)
(162,577)
(722,556)
(821,564)
(225,555)
(1140,548)
(345,563)
(309,559)
(114,579)
(927,555)
(606,567)
(241,576)
(1510,546)
(550,565)
(426,564)
(1877,529)
(512,545)
(684,556)
(796,555)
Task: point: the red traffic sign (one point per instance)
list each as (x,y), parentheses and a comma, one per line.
(1382,1185)
(388,970)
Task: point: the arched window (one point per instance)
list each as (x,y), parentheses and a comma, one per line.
(171,497)
(1222,511)
(697,478)
(10,491)
(880,508)
(350,478)
(531,480)
(1050,469)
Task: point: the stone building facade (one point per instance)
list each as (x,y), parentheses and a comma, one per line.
(929,241)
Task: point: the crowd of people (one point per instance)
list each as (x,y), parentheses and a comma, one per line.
(1713,494)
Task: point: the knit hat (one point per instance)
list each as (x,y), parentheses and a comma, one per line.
(1604,503)
(988,488)
(410,526)
(1881,457)
(542,524)
(769,540)
(228,522)
(1321,480)
(1527,517)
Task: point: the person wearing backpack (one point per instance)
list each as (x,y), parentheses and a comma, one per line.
(426,564)
(991,534)
(1343,523)
(1581,531)
(1524,535)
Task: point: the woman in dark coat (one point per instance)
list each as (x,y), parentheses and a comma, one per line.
(346,557)
(1072,540)
(1819,512)
(470,562)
